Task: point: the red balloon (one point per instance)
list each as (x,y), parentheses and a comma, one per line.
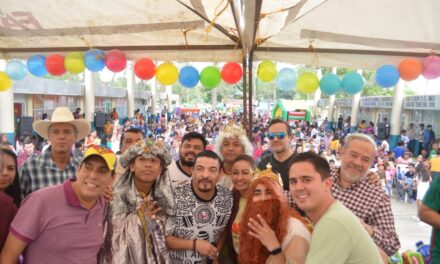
(55,65)
(144,69)
(232,72)
(115,60)
(410,69)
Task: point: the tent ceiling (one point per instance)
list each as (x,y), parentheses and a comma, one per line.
(349,33)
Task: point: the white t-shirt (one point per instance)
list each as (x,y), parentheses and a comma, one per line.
(422,188)
(177,175)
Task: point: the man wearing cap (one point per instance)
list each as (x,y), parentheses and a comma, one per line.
(57,163)
(64,223)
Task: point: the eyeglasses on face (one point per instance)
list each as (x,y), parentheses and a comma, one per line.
(279,135)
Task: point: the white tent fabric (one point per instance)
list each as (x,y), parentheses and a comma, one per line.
(343,33)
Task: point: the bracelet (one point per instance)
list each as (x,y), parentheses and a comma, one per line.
(276,251)
(194,245)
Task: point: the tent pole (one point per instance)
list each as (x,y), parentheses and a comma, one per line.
(250,58)
(244,66)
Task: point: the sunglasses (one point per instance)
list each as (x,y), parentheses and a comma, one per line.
(279,135)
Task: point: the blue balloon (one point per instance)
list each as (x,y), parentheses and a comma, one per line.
(94,60)
(352,83)
(189,76)
(286,79)
(36,65)
(330,84)
(387,76)
(16,70)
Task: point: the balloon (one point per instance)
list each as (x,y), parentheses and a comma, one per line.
(16,70)
(431,67)
(5,82)
(286,79)
(307,83)
(330,84)
(145,69)
(115,60)
(267,71)
(55,65)
(210,77)
(232,72)
(410,69)
(74,62)
(189,76)
(36,65)
(167,73)
(387,76)
(94,60)
(352,83)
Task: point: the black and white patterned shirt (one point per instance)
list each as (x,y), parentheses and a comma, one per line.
(198,219)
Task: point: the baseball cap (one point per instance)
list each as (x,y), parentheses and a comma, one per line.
(103,152)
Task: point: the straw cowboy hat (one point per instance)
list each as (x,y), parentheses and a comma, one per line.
(62,115)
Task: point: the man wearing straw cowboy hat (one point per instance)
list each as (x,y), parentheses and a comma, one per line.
(56,164)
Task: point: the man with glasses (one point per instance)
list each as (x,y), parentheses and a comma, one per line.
(279,140)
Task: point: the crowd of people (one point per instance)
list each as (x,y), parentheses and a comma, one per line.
(197,189)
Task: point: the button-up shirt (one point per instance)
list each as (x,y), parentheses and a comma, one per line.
(40,171)
(373,206)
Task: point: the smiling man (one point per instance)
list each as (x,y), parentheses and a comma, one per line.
(64,222)
(58,163)
(202,215)
(367,201)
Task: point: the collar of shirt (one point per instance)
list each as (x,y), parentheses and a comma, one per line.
(46,160)
(72,198)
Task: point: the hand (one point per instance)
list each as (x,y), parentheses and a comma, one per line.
(374,178)
(108,194)
(262,231)
(367,227)
(206,249)
(150,209)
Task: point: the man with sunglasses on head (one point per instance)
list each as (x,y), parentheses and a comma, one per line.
(279,140)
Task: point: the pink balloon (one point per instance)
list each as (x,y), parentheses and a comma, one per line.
(431,67)
(115,60)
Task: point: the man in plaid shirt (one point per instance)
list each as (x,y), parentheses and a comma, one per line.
(367,201)
(58,163)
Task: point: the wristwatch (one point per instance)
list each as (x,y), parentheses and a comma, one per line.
(276,251)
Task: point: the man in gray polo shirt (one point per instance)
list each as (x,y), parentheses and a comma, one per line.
(64,223)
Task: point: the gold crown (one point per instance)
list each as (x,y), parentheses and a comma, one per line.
(235,130)
(269,173)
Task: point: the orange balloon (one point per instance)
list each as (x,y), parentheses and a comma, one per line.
(410,69)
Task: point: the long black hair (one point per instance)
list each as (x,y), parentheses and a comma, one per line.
(13,190)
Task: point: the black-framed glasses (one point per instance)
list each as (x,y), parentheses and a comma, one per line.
(279,135)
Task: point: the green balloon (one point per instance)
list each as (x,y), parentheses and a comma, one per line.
(210,77)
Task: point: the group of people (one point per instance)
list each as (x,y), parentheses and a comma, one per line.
(141,205)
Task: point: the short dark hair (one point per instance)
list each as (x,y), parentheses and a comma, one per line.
(279,121)
(320,164)
(130,130)
(209,154)
(28,141)
(245,157)
(195,135)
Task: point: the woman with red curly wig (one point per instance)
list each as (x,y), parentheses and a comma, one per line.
(271,231)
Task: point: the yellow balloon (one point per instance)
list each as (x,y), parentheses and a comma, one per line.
(307,83)
(74,62)
(5,82)
(167,73)
(267,71)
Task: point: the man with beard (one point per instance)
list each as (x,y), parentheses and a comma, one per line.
(338,235)
(279,140)
(202,215)
(270,230)
(367,201)
(180,171)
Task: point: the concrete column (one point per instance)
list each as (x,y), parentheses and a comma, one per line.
(89,96)
(153,98)
(29,105)
(7,114)
(317,94)
(355,110)
(214,97)
(396,112)
(131,84)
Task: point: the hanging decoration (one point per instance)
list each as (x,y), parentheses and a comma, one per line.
(330,84)
(431,67)
(167,73)
(286,79)
(267,71)
(232,73)
(16,70)
(410,69)
(55,65)
(145,69)
(36,65)
(387,76)
(307,83)
(74,62)
(210,77)
(352,83)
(189,76)
(115,60)
(5,82)
(94,60)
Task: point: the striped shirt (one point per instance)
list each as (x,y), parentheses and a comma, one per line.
(40,171)
(373,206)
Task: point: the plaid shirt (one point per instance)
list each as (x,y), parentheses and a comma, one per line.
(40,171)
(372,205)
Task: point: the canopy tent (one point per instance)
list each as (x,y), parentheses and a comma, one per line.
(341,33)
